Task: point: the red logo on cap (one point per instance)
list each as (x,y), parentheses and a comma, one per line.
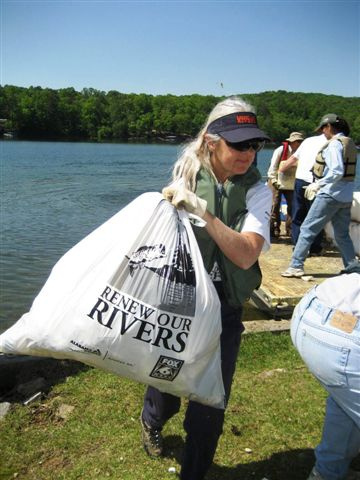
(245,119)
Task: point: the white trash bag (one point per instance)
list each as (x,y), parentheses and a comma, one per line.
(132,298)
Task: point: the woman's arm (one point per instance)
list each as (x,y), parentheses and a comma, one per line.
(243,248)
(286,164)
(334,163)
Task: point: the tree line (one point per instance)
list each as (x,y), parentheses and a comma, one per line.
(37,112)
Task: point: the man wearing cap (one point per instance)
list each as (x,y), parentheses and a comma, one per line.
(303,159)
(332,192)
(282,183)
(215,179)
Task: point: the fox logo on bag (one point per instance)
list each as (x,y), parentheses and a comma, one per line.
(166,368)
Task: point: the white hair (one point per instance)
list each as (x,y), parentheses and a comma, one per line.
(196,154)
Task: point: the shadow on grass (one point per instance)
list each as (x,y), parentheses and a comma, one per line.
(289,465)
(23,377)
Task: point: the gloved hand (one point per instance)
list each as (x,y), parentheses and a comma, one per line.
(275,184)
(311,190)
(181,197)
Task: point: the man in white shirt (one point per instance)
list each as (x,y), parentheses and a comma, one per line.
(304,157)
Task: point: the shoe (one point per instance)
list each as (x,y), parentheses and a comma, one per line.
(315,475)
(274,232)
(293,272)
(152,439)
(353,267)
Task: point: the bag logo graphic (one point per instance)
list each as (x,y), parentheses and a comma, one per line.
(167,368)
(160,271)
(181,269)
(145,254)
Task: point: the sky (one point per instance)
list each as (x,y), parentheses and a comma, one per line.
(204,47)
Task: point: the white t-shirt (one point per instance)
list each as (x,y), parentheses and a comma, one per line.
(306,155)
(341,292)
(275,160)
(258,204)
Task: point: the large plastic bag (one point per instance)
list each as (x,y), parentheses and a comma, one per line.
(132,298)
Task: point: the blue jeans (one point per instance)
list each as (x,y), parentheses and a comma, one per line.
(323,210)
(333,357)
(300,208)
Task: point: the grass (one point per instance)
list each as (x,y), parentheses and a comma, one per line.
(87,426)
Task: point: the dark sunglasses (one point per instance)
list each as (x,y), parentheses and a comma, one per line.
(256,145)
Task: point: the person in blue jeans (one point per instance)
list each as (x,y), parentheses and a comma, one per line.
(332,194)
(325,329)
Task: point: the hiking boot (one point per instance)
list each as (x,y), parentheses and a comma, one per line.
(353,267)
(152,439)
(293,272)
(275,232)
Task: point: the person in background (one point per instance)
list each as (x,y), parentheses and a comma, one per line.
(334,170)
(325,329)
(215,179)
(282,183)
(303,159)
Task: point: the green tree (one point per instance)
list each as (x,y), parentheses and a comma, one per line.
(92,114)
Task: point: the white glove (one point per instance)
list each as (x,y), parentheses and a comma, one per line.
(181,197)
(311,190)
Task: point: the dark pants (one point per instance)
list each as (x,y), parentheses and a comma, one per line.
(300,208)
(203,425)
(275,221)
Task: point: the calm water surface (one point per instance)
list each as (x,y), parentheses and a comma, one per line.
(55,193)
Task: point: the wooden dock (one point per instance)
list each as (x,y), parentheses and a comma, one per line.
(278,295)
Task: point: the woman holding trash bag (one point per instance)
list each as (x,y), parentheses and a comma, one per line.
(215,179)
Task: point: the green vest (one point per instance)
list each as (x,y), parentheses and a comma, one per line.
(349,155)
(230,207)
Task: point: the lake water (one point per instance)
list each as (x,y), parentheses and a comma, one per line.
(55,193)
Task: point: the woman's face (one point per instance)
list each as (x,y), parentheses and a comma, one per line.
(327,131)
(227,161)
